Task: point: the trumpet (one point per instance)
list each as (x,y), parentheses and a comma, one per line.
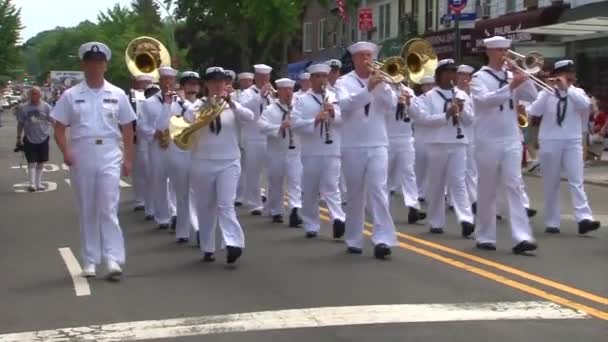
(392,69)
(529,64)
(164,140)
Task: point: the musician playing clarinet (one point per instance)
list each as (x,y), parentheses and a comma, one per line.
(283,150)
(444,111)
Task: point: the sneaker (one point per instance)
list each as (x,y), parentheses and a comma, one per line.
(114,270)
(89,271)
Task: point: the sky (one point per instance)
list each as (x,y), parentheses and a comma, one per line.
(42,15)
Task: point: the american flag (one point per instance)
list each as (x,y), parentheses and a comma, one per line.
(342,9)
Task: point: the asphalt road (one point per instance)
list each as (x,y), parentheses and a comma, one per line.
(434,288)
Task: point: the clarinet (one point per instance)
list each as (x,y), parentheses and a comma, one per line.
(290,132)
(402,113)
(325,124)
(456,121)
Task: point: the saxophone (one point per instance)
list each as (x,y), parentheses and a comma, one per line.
(182,134)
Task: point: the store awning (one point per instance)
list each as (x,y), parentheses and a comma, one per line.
(582,27)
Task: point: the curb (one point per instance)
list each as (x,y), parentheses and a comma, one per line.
(590,182)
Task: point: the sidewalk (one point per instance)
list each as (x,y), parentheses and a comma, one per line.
(596,173)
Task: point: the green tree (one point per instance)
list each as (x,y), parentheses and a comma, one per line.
(10,28)
(148,20)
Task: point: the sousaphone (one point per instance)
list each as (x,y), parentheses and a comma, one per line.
(144,55)
(420,58)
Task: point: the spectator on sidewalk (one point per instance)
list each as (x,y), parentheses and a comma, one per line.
(33,118)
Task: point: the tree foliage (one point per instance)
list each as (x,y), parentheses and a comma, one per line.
(10,28)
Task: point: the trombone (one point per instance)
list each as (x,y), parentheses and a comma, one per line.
(529,64)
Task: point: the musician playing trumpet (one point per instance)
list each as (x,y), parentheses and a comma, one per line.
(561,145)
(321,161)
(215,168)
(444,110)
(284,161)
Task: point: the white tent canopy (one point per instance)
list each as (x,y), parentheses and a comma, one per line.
(577,28)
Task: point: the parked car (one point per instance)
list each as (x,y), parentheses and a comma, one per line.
(4,103)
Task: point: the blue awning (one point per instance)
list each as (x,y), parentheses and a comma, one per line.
(295,69)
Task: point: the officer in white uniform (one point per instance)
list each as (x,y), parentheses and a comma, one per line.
(316,117)
(561,145)
(366,102)
(463,83)
(157,111)
(141,168)
(304,82)
(215,169)
(94,109)
(495,90)
(284,160)
(421,159)
(245,80)
(256,98)
(334,75)
(444,111)
(401,154)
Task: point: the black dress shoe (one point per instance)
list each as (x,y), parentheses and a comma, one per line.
(238,204)
(552,230)
(354,250)
(381,251)
(524,247)
(486,246)
(277,218)
(233,253)
(31,189)
(499,217)
(208,257)
(198,239)
(421,199)
(585,226)
(415,215)
(392,192)
(181,241)
(467,228)
(149,217)
(163,226)
(139,208)
(256,212)
(531,212)
(436,230)
(338,229)
(294,218)
(263,199)
(173,223)
(474,208)
(451,207)
(311,235)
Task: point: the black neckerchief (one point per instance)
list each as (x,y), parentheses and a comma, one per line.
(265,98)
(285,112)
(561,110)
(501,83)
(216,125)
(363,86)
(447,101)
(160,98)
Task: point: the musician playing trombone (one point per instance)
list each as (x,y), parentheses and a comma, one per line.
(444,111)
(561,146)
(314,119)
(215,168)
(495,90)
(284,161)
(366,101)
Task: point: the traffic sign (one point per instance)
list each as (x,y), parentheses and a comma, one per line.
(465,16)
(366,19)
(457,5)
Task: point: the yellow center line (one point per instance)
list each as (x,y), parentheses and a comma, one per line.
(502,267)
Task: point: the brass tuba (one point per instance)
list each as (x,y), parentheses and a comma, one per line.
(144,55)
(420,58)
(181,132)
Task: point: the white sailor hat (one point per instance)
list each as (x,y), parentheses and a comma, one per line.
(215,73)
(262,69)
(334,63)
(285,83)
(166,70)
(497,42)
(304,76)
(246,76)
(231,74)
(94,49)
(144,78)
(465,69)
(430,79)
(445,64)
(363,46)
(319,69)
(189,76)
(564,65)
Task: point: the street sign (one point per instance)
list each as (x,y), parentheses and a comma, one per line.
(457,5)
(366,19)
(465,16)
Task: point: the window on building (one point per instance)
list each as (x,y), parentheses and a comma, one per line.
(510,6)
(307,37)
(384,21)
(430,14)
(482,8)
(322,34)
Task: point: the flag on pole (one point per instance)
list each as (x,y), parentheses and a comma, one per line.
(342,9)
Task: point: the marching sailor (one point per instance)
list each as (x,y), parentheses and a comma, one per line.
(561,145)
(463,83)
(314,119)
(304,84)
(421,159)
(245,81)
(334,75)
(284,161)
(94,109)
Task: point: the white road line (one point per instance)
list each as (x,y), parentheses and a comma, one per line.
(301,318)
(81,285)
(68,182)
(601,218)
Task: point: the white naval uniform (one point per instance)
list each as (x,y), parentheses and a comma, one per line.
(237,96)
(561,147)
(141,165)
(498,152)
(157,114)
(321,161)
(401,155)
(332,88)
(365,157)
(282,161)
(254,148)
(214,174)
(94,116)
(421,153)
(470,179)
(447,153)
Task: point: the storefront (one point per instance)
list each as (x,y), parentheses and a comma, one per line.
(444,46)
